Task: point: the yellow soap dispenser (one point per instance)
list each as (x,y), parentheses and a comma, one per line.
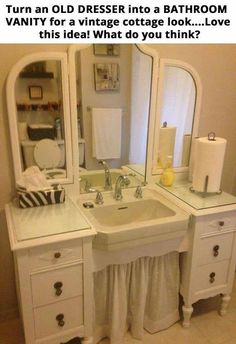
(167,177)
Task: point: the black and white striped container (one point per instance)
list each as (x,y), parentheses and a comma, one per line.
(39,198)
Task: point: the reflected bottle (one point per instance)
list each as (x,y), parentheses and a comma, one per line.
(58,128)
(168,176)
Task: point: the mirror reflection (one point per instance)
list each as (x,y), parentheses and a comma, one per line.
(40,118)
(177,115)
(112,122)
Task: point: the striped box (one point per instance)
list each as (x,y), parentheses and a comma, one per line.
(39,198)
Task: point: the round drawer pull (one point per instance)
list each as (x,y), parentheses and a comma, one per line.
(212,277)
(216,250)
(60,319)
(221,223)
(58,286)
(57,255)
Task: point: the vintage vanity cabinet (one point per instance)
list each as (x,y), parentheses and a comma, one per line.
(52,254)
(208,266)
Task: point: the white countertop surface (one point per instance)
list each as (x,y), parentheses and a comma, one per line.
(39,225)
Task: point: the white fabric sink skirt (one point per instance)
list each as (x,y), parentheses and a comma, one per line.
(142,294)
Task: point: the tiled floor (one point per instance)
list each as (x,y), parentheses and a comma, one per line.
(207,327)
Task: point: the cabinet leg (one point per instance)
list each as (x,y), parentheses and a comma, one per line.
(224,304)
(187,312)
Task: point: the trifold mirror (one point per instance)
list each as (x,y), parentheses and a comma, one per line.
(109,113)
(112,97)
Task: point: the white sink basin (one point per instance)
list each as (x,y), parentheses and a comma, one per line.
(132,222)
(130,213)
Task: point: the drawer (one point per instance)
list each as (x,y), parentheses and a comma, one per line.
(58,317)
(211,275)
(218,223)
(57,285)
(215,248)
(55,254)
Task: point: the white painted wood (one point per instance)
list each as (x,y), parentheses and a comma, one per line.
(37,269)
(24,285)
(44,290)
(202,274)
(62,337)
(207,249)
(88,288)
(73,104)
(152,108)
(45,317)
(199,262)
(46,255)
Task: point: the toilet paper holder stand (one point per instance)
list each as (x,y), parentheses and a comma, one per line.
(204,193)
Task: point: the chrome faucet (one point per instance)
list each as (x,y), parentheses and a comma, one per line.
(138,192)
(99,197)
(108,183)
(87,184)
(122,180)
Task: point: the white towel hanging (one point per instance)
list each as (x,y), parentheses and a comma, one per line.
(106,132)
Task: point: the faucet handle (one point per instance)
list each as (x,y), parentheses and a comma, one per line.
(138,192)
(99,197)
(126,180)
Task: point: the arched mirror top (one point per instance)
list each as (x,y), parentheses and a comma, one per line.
(134,94)
(38,111)
(177,116)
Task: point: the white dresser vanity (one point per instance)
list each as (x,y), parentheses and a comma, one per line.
(208,266)
(52,245)
(52,253)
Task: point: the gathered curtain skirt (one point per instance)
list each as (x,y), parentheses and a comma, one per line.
(143,294)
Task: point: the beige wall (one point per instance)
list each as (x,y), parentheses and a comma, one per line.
(216,67)
(113,99)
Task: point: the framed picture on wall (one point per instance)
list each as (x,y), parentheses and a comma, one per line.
(106,76)
(35,92)
(106,49)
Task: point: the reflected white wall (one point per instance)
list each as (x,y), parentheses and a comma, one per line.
(140,99)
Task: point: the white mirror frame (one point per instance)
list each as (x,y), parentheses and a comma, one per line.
(73,102)
(12,110)
(155,139)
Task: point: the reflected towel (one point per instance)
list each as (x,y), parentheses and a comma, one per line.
(106,133)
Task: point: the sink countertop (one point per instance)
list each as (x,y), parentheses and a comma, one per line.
(46,224)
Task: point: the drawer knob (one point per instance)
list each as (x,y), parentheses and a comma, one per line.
(57,255)
(60,319)
(212,277)
(216,250)
(221,223)
(58,286)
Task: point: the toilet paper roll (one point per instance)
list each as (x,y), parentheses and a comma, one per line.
(186,149)
(166,145)
(209,160)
